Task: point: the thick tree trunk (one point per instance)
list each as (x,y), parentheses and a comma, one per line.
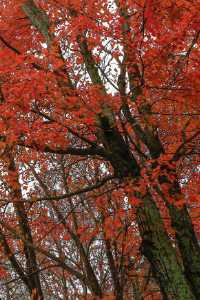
(185,235)
(156,246)
(188,246)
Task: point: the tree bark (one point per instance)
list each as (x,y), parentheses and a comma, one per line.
(188,245)
(156,246)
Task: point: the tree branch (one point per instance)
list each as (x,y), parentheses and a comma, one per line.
(18,52)
(80,136)
(73,151)
(181,151)
(57,198)
(62,264)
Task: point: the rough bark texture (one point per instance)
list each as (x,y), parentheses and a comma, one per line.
(188,246)
(160,253)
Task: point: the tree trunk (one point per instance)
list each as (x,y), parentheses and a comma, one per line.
(188,246)
(156,246)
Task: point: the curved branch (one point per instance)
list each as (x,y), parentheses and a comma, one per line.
(80,136)
(70,150)
(19,53)
(182,148)
(74,193)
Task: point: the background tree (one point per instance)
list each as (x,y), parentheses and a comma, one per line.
(100,149)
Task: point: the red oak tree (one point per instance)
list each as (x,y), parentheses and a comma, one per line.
(99,136)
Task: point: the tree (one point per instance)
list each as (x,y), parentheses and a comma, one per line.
(100,149)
